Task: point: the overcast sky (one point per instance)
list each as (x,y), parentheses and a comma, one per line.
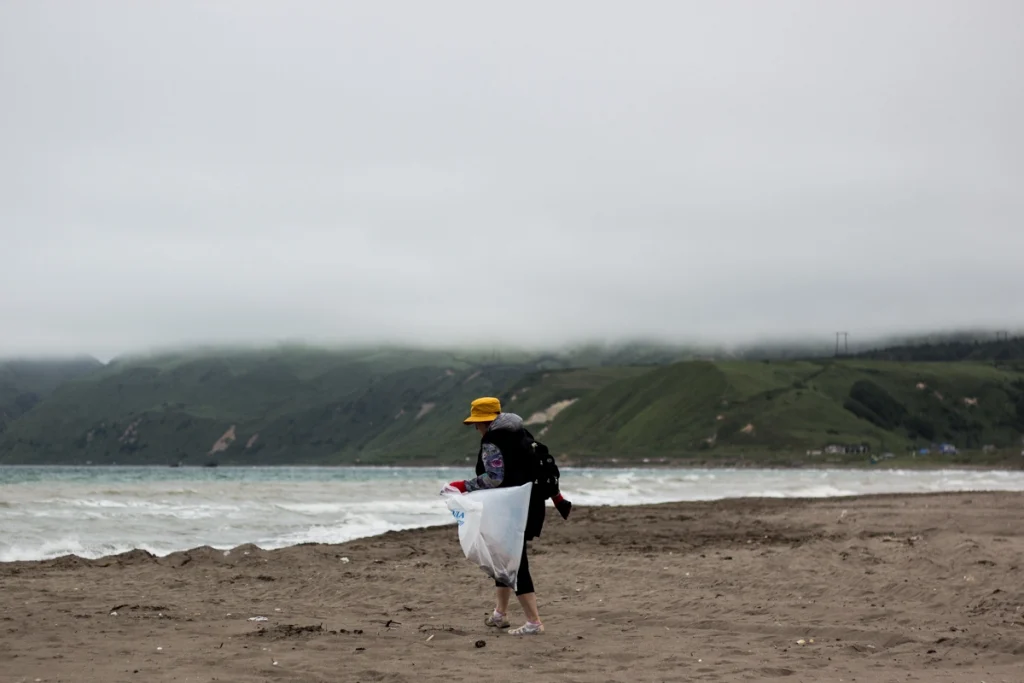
(186,172)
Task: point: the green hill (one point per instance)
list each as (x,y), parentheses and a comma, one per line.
(1009,349)
(24,383)
(263,407)
(397,405)
(757,409)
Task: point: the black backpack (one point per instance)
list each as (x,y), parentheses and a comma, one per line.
(543,468)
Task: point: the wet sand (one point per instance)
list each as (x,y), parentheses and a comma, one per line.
(875,588)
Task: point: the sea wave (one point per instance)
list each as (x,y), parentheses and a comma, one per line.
(102,511)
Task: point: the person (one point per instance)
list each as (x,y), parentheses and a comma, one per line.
(503,461)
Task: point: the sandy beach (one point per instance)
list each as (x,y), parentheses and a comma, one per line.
(875,588)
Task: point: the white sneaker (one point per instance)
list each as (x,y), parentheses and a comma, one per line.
(497,620)
(527,629)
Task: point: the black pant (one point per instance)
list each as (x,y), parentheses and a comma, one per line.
(524,582)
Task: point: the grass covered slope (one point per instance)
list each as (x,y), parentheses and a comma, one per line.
(759,407)
(24,383)
(396,405)
(266,407)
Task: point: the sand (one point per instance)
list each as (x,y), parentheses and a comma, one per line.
(878,588)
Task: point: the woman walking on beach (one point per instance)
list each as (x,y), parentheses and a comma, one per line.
(503,461)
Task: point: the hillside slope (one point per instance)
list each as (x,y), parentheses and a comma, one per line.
(271,407)
(730,408)
(1009,349)
(24,383)
(390,406)
(261,407)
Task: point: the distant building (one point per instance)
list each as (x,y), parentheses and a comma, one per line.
(835,449)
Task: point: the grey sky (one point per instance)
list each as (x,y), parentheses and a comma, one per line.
(195,172)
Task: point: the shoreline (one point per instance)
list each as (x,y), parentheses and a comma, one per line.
(552,516)
(316,505)
(1008,464)
(910,587)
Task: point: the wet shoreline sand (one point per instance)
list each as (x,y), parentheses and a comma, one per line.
(892,587)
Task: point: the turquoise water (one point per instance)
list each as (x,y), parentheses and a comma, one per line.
(93,511)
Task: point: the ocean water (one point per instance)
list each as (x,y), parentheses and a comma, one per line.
(47,512)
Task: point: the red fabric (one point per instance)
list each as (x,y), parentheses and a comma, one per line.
(460,485)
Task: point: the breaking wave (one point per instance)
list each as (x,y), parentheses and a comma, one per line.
(98,511)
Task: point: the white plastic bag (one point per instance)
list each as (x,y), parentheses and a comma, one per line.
(492,527)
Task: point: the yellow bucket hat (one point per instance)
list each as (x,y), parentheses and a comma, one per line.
(484,409)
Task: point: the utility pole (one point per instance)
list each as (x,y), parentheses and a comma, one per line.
(846,344)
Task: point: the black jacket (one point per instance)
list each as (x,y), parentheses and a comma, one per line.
(511,438)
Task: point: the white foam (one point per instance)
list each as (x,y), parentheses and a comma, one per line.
(69,545)
(335,534)
(99,514)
